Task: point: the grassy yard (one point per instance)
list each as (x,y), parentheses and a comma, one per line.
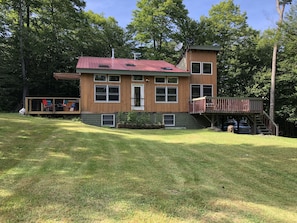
(65,171)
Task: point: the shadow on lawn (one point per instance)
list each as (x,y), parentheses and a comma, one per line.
(99,174)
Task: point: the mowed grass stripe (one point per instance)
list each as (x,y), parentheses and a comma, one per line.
(65,171)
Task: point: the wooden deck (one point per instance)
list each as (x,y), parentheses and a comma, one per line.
(226,105)
(52,106)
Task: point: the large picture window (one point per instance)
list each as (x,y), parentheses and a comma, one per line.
(166,94)
(201,68)
(107,93)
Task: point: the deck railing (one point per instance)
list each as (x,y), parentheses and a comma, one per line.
(225,105)
(52,105)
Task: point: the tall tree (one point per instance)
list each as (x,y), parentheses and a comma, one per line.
(280,6)
(286,80)
(157,23)
(227,27)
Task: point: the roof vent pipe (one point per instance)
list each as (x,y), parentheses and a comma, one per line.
(112,53)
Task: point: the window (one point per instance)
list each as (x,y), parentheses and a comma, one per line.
(198,90)
(207,90)
(171,94)
(106,93)
(100,77)
(169,120)
(108,120)
(207,68)
(104,78)
(195,89)
(160,94)
(160,80)
(172,80)
(195,68)
(114,78)
(201,68)
(168,80)
(137,78)
(166,94)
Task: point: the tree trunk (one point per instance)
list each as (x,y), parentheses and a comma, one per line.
(22,57)
(280,7)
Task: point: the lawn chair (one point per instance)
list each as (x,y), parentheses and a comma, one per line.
(47,105)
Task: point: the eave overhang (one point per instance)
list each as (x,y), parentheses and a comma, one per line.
(132,72)
(66,76)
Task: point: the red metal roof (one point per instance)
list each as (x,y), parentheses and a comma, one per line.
(121,64)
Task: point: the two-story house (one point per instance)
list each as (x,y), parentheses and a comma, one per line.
(112,85)
(181,96)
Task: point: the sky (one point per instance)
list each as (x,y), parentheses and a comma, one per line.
(261,14)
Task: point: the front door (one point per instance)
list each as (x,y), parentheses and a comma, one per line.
(137,97)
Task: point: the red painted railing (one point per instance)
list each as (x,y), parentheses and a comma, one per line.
(225,105)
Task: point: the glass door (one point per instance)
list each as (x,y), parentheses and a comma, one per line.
(137,97)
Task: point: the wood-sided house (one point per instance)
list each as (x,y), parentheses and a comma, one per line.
(178,96)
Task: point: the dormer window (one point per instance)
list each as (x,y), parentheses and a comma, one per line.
(130,65)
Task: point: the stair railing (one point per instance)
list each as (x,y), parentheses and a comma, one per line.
(270,124)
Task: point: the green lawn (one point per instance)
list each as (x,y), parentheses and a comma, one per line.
(65,171)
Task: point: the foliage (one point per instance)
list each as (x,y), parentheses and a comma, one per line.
(157,25)
(65,171)
(286,98)
(237,60)
(54,33)
(135,119)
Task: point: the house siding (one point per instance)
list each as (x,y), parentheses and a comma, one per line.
(182,120)
(91,106)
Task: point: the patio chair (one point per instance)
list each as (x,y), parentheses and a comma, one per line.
(47,105)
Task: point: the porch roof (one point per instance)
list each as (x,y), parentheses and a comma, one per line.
(128,67)
(66,76)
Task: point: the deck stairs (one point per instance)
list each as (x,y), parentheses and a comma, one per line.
(261,127)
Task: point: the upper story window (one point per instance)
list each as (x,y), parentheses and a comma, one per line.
(172,80)
(137,78)
(201,68)
(166,80)
(100,77)
(160,80)
(105,78)
(198,90)
(114,78)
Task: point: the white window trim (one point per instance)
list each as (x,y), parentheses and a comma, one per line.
(201,90)
(113,117)
(166,94)
(173,120)
(172,77)
(160,82)
(132,79)
(106,78)
(107,93)
(115,76)
(201,68)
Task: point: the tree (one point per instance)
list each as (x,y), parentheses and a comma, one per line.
(280,6)
(286,81)
(227,27)
(157,25)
